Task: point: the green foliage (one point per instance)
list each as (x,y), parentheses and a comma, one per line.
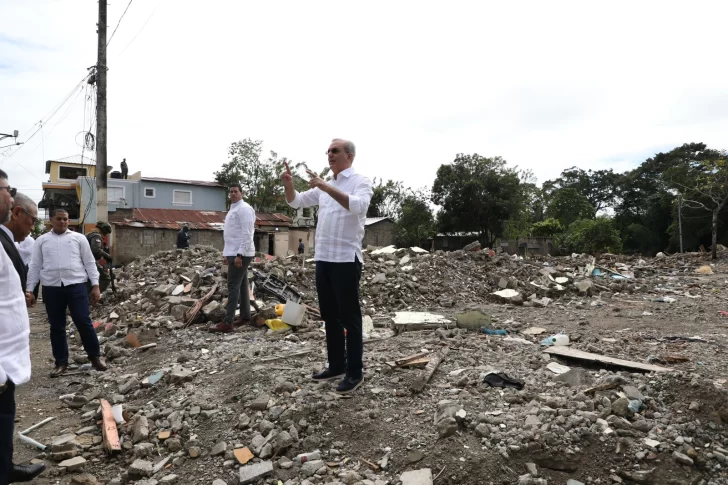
(593,236)
(547,228)
(386,199)
(600,187)
(476,194)
(416,222)
(38,228)
(568,206)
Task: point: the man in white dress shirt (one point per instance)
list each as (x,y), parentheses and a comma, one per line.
(237,254)
(14,351)
(63,262)
(343,205)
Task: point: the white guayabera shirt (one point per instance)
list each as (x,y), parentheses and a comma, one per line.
(339,232)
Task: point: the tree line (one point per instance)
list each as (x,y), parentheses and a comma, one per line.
(582,210)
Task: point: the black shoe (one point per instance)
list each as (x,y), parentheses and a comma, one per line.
(327,375)
(349,384)
(25,473)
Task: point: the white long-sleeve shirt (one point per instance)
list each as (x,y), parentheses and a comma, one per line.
(25,247)
(14,326)
(339,231)
(239,229)
(62,259)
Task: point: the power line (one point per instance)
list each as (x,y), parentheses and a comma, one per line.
(142,28)
(117,25)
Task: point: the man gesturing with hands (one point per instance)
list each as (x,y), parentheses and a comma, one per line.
(343,204)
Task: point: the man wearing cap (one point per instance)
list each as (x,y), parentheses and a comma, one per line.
(96,242)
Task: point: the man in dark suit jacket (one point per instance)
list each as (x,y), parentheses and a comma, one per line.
(22,219)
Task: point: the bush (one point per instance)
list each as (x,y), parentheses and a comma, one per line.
(548,228)
(593,236)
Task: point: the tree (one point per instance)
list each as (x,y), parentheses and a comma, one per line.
(547,228)
(568,206)
(260,179)
(38,228)
(386,199)
(476,194)
(416,222)
(600,187)
(593,236)
(528,209)
(703,183)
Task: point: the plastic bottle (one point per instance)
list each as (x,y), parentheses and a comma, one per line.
(556,340)
(490,331)
(304,457)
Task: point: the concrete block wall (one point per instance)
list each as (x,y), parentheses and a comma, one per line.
(379,234)
(131,242)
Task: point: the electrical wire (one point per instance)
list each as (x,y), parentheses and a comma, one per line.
(142,28)
(117,25)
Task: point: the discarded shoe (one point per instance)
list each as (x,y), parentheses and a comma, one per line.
(500,379)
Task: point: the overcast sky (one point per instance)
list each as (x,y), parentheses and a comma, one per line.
(545,85)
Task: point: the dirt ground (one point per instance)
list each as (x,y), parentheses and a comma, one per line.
(382,419)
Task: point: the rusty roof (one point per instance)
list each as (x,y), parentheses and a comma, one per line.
(195,219)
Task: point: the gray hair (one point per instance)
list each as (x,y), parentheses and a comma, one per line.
(24,202)
(348,145)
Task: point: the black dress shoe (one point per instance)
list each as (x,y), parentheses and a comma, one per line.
(349,384)
(25,473)
(327,375)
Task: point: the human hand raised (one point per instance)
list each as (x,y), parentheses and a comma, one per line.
(315,181)
(287,176)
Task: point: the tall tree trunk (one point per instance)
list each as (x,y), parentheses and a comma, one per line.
(714,249)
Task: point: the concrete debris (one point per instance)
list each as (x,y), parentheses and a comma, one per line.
(241,407)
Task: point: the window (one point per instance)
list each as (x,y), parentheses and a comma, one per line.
(114,194)
(71,173)
(150,192)
(182,197)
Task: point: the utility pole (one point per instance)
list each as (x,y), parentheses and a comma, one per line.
(679,219)
(102,207)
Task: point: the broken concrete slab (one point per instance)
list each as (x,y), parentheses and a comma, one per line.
(253,473)
(73,464)
(581,355)
(422,476)
(404,321)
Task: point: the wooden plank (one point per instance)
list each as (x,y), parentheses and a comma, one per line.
(108,428)
(192,312)
(419,384)
(602,359)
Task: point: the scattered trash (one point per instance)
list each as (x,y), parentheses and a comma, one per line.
(634,405)
(277,325)
(558,339)
(419,320)
(534,331)
(473,320)
(602,359)
(489,331)
(293,314)
(499,379)
(664,299)
(557,369)
(704,270)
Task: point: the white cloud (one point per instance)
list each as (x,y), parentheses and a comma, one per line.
(546,85)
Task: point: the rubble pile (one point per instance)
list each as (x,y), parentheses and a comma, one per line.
(500,408)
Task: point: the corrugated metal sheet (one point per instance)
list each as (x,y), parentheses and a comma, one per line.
(195,219)
(373,220)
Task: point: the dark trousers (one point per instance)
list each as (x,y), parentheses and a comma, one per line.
(238,290)
(7,420)
(124,173)
(337,285)
(75,298)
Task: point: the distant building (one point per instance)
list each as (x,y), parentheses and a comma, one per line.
(378,231)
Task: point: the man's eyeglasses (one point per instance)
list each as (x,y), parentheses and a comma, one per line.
(34,219)
(12,190)
(333,150)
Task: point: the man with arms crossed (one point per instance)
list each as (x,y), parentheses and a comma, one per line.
(237,254)
(343,205)
(14,351)
(63,262)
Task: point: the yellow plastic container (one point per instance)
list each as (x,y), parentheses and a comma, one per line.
(277,325)
(280,309)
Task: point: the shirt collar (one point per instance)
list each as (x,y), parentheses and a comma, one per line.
(235,204)
(346,173)
(9,233)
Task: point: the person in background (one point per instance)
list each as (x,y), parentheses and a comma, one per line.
(343,204)
(183,237)
(124,169)
(62,261)
(237,254)
(14,351)
(96,242)
(301,247)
